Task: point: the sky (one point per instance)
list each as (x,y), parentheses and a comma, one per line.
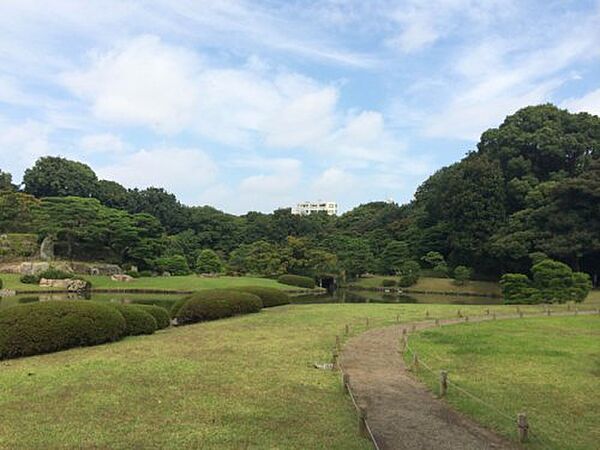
(255,105)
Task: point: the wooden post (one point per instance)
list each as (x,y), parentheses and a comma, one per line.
(576,310)
(427,314)
(346,382)
(521,314)
(413,328)
(466,318)
(487,311)
(494,315)
(443,383)
(347,330)
(404,331)
(337,342)
(415,361)
(362,422)
(458,314)
(367,322)
(397,318)
(437,322)
(548,312)
(334,360)
(523,427)
(568,307)
(519,311)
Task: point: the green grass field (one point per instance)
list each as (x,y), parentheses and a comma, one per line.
(546,367)
(245,382)
(435,285)
(187,283)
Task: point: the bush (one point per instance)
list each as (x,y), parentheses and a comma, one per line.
(36,328)
(297,280)
(517,289)
(216,304)
(30,279)
(145,273)
(208,262)
(407,280)
(461,275)
(269,296)
(133,274)
(388,282)
(160,315)
(175,265)
(137,320)
(177,306)
(54,274)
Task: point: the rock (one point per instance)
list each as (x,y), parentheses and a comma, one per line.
(69,284)
(122,277)
(166,274)
(7,293)
(47,249)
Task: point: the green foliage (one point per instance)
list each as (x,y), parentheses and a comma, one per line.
(441,270)
(18,245)
(393,255)
(580,287)
(216,304)
(1,283)
(175,265)
(137,320)
(53,273)
(433,259)
(355,256)
(388,282)
(409,273)
(29,279)
(44,327)
(260,258)
(208,261)
(161,315)
(59,177)
(553,281)
(517,289)
(462,274)
(297,280)
(18,212)
(5,181)
(269,296)
(537,257)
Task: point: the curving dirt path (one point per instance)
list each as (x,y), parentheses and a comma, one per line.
(402,413)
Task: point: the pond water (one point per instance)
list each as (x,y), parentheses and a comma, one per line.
(339,296)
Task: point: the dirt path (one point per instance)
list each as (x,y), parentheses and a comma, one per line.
(402,413)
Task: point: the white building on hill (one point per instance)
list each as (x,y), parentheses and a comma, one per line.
(306,208)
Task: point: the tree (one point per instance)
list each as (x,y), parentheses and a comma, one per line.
(355,256)
(59,177)
(112,194)
(553,280)
(260,258)
(5,181)
(393,255)
(581,286)
(175,265)
(18,212)
(462,274)
(433,259)
(409,272)
(517,289)
(208,262)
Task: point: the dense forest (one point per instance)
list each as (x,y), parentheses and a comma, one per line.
(531,186)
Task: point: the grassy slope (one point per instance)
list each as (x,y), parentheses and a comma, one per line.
(436,284)
(547,367)
(239,382)
(188,283)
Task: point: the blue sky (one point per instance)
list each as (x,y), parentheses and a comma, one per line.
(257,105)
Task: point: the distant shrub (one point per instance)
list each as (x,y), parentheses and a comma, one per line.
(216,304)
(145,273)
(388,282)
(269,296)
(208,261)
(441,270)
(175,265)
(177,306)
(297,280)
(29,299)
(36,328)
(137,320)
(160,315)
(30,279)
(407,280)
(133,274)
(517,289)
(462,274)
(54,274)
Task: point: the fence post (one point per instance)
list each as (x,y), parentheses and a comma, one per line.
(466,318)
(548,312)
(523,427)
(521,314)
(487,311)
(334,360)
(427,313)
(404,332)
(437,322)
(413,328)
(494,315)
(362,422)
(568,307)
(403,344)
(347,330)
(458,314)
(346,382)
(367,322)
(443,383)
(337,342)
(415,361)
(397,318)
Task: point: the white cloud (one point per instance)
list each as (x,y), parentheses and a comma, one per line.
(21,144)
(102,143)
(333,182)
(180,170)
(281,176)
(142,82)
(590,102)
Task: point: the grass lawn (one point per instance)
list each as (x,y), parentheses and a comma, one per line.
(187,283)
(546,367)
(244,382)
(436,284)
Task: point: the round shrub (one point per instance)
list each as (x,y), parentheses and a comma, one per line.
(407,280)
(30,279)
(269,296)
(54,274)
(44,327)
(388,283)
(216,304)
(177,306)
(297,280)
(137,320)
(160,315)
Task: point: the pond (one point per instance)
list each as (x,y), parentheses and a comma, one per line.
(339,296)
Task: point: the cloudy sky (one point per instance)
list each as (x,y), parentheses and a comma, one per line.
(253,105)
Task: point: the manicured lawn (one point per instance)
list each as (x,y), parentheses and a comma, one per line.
(187,283)
(437,284)
(245,382)
(546,367)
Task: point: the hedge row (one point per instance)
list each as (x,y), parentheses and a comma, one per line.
(297,280)
(44,327)
(214,304)
(269,296)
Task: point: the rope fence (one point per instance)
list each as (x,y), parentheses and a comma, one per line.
(520,420)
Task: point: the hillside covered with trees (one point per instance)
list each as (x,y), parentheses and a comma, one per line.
(532,186)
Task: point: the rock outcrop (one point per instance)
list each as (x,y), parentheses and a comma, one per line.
(69,284)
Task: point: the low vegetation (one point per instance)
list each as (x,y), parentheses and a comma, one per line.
(137,320)
(269,296)
(431,284)
(160,314)
(297,280)
(546,367)
(216,304)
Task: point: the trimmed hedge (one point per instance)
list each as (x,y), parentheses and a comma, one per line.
(45,327)
(297,280)
(388,283)
(177,305)
(137,321)
(160,315)
(216,304)
(269,296)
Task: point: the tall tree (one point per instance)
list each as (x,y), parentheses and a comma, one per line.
(59,177)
